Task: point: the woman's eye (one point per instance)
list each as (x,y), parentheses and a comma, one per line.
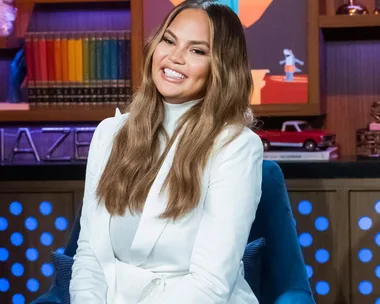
(199,52)
(168,41)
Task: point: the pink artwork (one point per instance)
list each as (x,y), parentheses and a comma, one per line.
(8,15)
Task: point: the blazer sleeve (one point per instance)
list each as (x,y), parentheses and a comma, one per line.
(232,199)
(87,283)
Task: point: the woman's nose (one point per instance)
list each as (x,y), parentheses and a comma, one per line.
(177,56)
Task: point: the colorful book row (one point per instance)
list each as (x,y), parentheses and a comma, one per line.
(84,68)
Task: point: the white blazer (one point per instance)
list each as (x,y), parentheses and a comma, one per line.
(196,260)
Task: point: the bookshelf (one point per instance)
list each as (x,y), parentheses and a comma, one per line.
(74,114)
(348,69)
(326,21)
(10,43)
(27,12)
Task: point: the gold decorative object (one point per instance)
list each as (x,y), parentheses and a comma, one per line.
(352,9)
(368,140)
(377,11)
(375,113)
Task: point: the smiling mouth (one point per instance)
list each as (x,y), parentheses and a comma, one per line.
(173,74)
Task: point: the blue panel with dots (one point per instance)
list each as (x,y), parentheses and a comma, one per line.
(31,254)
(31,224)
(321,223)
(18,299)
(308,239)
(32,285)
(365,244)
(61,223)
(377,271)
(4,285)
(17,269)
(46,239)
(365,223)
(322,255)
(322,288)
(365,287)
(305,207)
(17,239)
(305,239)
(15,208)
(309,271)
(26,231)
(4,254)
(3,224)
(365,255)
(377,239)
(47,270)
(377,207)
(46,208)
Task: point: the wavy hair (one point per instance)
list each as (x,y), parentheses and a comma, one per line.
(135,157)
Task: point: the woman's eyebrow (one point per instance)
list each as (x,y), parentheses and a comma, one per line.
(191,41)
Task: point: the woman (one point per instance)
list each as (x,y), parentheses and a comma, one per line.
(172,187)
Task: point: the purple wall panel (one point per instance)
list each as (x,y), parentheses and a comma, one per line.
(5,68)
(354,67)
(80,17)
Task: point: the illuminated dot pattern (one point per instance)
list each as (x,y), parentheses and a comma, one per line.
(366,260)
(314,229)
(365,223)
(31,224)
(319,226)
(19,228)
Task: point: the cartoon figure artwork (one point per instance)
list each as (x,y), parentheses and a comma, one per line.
(258,84)
(274,84)
(290,64)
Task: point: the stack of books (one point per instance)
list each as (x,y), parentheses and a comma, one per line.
(301,155)
(78,68)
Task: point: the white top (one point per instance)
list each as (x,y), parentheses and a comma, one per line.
(123,228)
(195,259)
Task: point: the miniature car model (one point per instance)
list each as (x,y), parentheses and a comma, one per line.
(297,134)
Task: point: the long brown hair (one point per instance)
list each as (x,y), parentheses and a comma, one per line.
(135,157)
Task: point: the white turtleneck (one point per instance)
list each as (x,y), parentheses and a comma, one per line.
(123,228)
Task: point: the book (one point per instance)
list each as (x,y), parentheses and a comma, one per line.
(30,71)
(293,155)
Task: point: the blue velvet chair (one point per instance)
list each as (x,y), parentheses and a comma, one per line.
(283,277)
(279,275)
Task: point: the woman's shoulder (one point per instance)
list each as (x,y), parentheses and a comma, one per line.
(108,127)
(247,137)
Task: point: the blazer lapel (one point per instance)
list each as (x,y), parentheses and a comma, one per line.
(151,226)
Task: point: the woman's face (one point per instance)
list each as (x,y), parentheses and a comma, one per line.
(182,60)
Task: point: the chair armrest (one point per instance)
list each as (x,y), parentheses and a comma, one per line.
(295,297)
(50,297)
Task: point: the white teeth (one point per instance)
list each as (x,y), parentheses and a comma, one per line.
(173,74)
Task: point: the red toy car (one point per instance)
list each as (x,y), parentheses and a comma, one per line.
(297,134)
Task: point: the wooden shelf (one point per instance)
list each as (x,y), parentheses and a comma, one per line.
(5,106)
(10,43)
(57,115)
(22,113)
(270,110)
(341,21)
